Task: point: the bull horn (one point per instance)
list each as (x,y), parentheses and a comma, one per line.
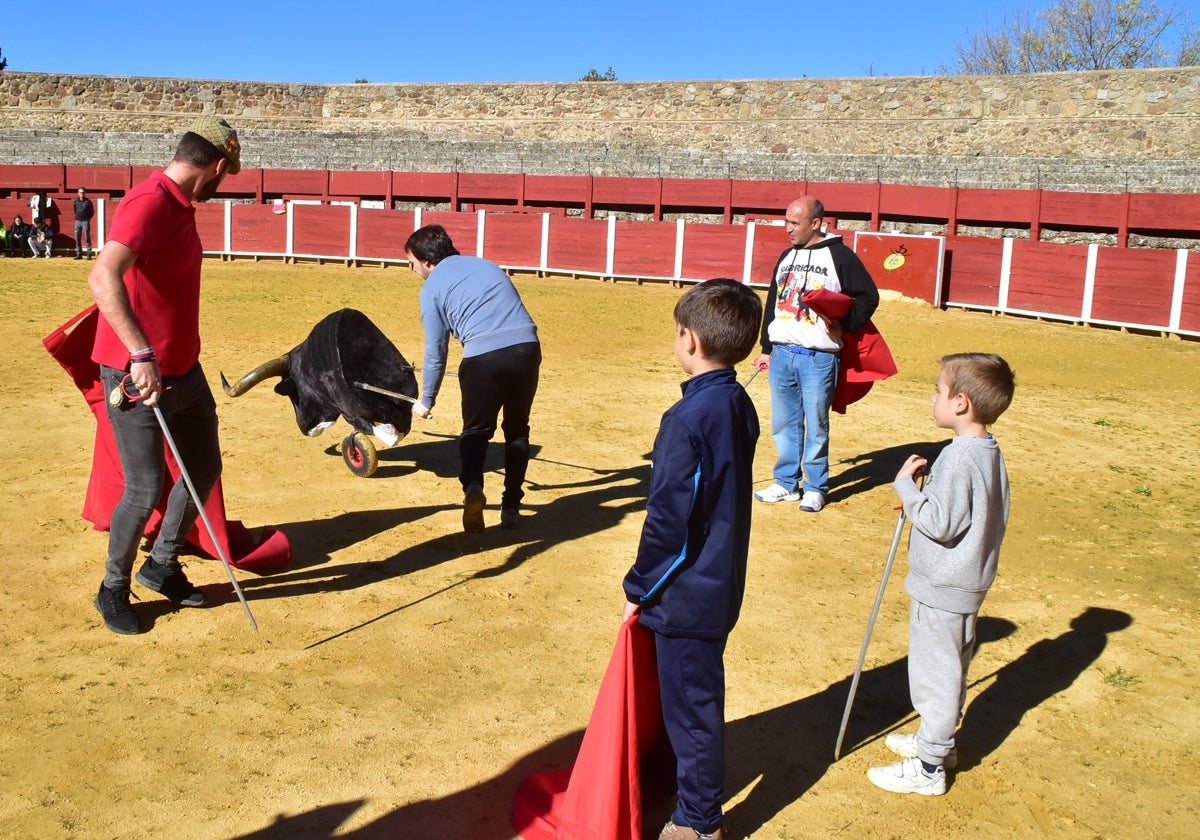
(275,367)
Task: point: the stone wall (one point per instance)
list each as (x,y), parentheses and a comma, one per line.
(1102,131)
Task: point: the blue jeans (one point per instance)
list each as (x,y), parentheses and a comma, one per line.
(191,415)
(801,394)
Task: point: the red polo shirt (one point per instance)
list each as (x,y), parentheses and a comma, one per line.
(157,222)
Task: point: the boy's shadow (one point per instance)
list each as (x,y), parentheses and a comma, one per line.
(878,468)
(784,751)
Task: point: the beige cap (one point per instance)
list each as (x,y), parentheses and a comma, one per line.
(221,134)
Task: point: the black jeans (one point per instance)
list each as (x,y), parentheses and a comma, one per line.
(191,416)
(507,380)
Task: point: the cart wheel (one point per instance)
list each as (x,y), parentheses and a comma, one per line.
(359,454)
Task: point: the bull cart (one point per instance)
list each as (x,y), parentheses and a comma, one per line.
(346,367)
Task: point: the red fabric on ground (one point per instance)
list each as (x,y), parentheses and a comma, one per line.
(600,797)
(71,347)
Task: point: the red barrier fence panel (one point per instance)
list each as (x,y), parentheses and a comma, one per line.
(513,239)
(373,184)
(645,249)
(320,230)
(911,265)
(769,242)
(1164,212)
(256,229)
(713,251)
(99,179)
(296,182)
(558,190)
(1010,208)
(903,202)
(578,245)
(1133,286)
(31,178)
(696,193)
(972,273)
(474,187)
(1066,210)
(463,229)
(770,197)
(210,223)
(434,186)
(382,233)
(641,193)
(1189,298)
(1047,278)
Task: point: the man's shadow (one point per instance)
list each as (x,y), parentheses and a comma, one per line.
(602,499)
(878,469)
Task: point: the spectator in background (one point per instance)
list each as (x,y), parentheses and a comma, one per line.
(83,223)
(39,206)
(3,239)
(18,236)
(41,238)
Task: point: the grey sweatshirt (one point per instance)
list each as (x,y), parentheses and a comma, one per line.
(958,521)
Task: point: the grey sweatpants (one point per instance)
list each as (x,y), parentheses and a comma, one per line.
(940,647)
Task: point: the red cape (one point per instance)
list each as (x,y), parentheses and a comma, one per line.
(71,347)
(600,798)
(865,356)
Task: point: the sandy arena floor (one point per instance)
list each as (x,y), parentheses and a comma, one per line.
(406,677)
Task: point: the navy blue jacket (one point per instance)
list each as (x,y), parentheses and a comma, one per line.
(690,572)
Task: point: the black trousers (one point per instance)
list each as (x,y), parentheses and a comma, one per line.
(503,380)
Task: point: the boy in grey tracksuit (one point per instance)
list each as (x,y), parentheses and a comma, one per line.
(958,521)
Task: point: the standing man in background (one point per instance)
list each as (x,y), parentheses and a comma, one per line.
(83,223)
(146,283)
(800,347)
(476,302)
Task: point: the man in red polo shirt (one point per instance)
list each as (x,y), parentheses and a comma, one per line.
(146,283)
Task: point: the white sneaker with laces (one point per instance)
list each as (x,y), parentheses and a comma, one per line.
(908,776)
(777,493)
(812,501)
(905,746)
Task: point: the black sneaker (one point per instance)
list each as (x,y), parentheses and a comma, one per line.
(168,580)
(113,605)
(510,518)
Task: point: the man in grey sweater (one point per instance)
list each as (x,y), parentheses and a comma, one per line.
(476,302)
(958,521)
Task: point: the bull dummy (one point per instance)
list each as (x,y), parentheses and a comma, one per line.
(323,375)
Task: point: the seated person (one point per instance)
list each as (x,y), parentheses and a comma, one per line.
(41,239)
(18,236)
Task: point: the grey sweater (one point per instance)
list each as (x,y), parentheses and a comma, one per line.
(958,522)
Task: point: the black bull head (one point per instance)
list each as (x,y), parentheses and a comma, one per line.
(320,374)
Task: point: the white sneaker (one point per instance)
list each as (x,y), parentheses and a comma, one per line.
(777,493)
(906,747)
(908,776)
(812,501)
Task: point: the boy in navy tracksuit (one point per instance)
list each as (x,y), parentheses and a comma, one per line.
(690,573)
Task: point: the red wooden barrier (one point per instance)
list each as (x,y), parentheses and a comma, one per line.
(320,230)
(513,239)
(382,233)
(1047,278)
(1189,320)
(644,249)
(972,272)
(578,245)
(1133,286)
(258,230)
(713,251)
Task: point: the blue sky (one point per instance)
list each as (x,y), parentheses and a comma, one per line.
(517,41)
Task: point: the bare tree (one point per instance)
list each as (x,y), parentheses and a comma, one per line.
(1083,35)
